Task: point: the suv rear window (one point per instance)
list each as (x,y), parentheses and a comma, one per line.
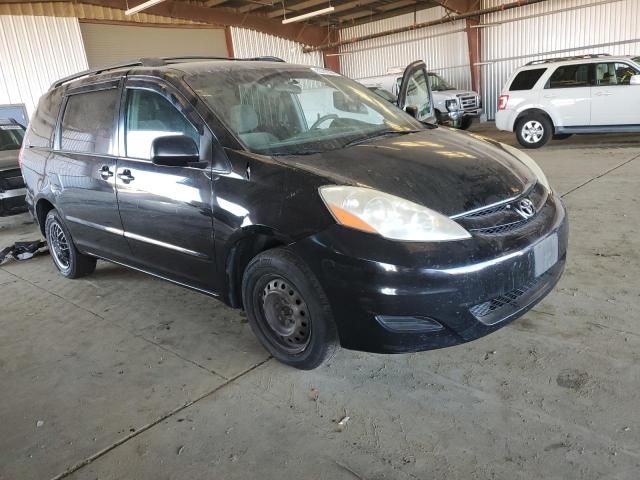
(571,76)
(88,122)
(526,79)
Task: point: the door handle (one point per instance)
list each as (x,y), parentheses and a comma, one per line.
(105,173)
(126,176)
(548,95)
(603,94)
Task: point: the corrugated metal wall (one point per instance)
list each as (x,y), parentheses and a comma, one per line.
(553,29)
(35,51)
(249,43)
(444,48)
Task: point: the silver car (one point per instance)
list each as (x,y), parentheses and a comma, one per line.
(12,189)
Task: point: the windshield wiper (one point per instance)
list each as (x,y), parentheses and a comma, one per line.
(384,133)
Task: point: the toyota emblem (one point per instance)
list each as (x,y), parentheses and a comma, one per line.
(526,208)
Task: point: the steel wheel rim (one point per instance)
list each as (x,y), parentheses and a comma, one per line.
(532,131)
(59,246)
(286,315)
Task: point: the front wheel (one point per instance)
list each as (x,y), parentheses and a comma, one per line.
(534,131)
(66,257)
(288,310)
(466,123)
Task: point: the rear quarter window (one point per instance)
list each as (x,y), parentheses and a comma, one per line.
(88,122)
(526,79)
(43,121)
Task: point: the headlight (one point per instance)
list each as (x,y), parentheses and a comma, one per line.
(389,216)
(530,163)
(452,105)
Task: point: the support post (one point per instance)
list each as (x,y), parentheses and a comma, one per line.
(474,41)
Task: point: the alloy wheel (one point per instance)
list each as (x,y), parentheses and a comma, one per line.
(59,246)
(532,131)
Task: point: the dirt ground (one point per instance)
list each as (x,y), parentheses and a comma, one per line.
(120,375)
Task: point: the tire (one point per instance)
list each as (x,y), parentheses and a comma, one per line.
(66,257)
(562,136)
(534,130)
(441,119)
(288,310)
(466,123)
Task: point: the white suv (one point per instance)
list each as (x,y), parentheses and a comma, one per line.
(556,98)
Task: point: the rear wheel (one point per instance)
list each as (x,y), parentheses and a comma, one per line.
(288,310)
(534,130)
(66,257)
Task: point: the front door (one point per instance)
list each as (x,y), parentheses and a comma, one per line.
(415,93)
(165,210)
(614,101)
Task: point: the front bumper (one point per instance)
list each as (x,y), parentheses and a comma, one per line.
(459,114)
(452,284)
(13,201)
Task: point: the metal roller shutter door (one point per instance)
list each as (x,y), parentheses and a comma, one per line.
(107,44)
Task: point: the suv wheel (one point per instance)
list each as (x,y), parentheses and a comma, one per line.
(534,131)
(288,310)
(66,257)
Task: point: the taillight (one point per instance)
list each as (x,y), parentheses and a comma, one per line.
(502,102)
(20,155)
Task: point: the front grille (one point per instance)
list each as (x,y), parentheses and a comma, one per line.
(12,205)
(11,179)
(487,211)
(504,218)
(507,227)
(496,309)
(468,102)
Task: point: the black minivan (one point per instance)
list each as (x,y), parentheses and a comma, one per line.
(326,213)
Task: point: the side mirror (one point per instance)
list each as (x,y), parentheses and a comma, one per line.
(635,80)
(174,151)
(411,110)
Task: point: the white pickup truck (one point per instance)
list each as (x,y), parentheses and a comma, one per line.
(452,106)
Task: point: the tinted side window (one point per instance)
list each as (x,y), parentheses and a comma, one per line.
(571,76)
(88,122)
(149,116)
(527,79)
(608,74)
(44,120)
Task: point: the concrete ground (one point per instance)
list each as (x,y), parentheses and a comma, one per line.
(120,375)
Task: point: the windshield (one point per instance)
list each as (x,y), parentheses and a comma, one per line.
(295,110)
(439,84)
(11,137)
(636,59)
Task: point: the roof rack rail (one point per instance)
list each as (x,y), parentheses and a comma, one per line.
(265,58)
(566,59)
(154,62)
(95,71)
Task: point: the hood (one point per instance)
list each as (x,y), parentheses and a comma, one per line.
(9,159)
(455,93)
(448,171)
